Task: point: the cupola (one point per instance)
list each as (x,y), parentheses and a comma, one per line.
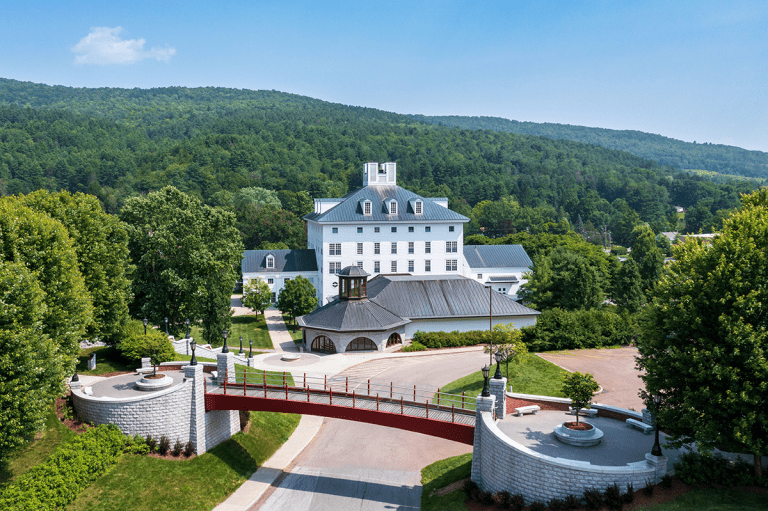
(353,283)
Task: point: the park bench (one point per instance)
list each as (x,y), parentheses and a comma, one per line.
(519,411)
(645,428)
(144,370)
(584,412)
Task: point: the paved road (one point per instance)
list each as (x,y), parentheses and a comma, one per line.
(359,466)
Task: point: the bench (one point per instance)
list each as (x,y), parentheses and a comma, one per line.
(527,409)
(215,375)
(645,428)
(584,412)
(144,370)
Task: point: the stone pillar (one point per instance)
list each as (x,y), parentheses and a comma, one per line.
(197,412)
(146,362)
(250,362)
(225,366)
(499,391)
(649,418)
(484,404)
(659,463)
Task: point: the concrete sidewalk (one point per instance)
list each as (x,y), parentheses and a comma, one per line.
(278,332)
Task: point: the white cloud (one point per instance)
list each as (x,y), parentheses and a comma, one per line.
(103,46)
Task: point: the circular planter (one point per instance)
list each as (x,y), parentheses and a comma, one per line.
(579,437)
(148,383)
(290,357)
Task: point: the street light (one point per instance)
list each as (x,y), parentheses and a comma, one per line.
(187,323)
(145,325)
(656,450)
(166,326)
(250,348)
(490,315)
(241,346)
(499,357)
(225,348)
(193,360)
(486,391)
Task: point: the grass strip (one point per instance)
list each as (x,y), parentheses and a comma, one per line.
(297,335)
(251,327)
(439,475)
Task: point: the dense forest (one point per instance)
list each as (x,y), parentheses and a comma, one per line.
(222,145)
(718,158)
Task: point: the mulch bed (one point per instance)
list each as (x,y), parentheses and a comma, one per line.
(581,426)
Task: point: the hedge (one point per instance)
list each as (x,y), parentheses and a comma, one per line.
(450,339)
(72,467)
(558,329)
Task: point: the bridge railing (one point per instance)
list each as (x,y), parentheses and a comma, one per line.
(347,387)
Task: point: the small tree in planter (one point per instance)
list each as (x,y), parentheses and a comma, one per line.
(579,388)
(154,345)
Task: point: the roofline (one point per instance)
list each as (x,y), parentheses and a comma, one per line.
(385,222)
(300,320)
(534,313)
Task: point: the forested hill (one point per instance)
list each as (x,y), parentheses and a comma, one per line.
(218,143)
(719,158)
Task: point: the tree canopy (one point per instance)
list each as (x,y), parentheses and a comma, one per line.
(563,279)
(297,298)
(256,295)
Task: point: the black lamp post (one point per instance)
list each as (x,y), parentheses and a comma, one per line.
(166,326)
(145,325)
(75,377)
(241,346)
(193,360)
(656,451)
(499,357)
(490,321)
(486,390)
(187,323)
(250,348)
(225,348)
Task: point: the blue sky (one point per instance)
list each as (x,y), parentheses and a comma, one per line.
(692,70)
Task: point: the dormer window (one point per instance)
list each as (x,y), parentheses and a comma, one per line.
(417,207)
(270,261)
(393,208)
(367,208)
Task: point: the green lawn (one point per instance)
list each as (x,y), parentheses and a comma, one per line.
(252,327)
(297,335)
(108,360)
(142,482)
(439,475)
(533,375)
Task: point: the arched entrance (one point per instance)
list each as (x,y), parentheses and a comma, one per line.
(394,339)
(361,344)
(323,344)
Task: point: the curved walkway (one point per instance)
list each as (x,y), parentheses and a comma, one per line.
(278,331)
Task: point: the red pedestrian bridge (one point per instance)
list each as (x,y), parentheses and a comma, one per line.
(420,409)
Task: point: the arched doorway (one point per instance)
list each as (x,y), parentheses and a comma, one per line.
(323,344)
(394,339)
(362,344)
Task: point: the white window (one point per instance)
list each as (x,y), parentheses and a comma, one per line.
(394,248)
(417,207)
(334,249)
(377,267)
(427,229)
(451,265)
(359,249)
(427,265)
(393,267)
(359,230)
(360,264)
(394,229)
(451,247)
(334,267)
(450,228)
(367,207)
(270,262)
(377,248)
(410,266)
(427,247)
(270,281)
(393,208)
(335,230)
(410,228)
(410,247)
(376,229)
(274,297)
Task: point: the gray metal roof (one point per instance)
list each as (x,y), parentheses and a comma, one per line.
(351,209)
(496,256)
(502,278)
(351,315)
(255,261)
(440,296)
(353,271)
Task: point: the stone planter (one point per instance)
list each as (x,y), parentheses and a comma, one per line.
(579,438)
(149,384)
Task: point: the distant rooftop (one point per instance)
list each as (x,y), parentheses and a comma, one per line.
(496,256)
(297,260)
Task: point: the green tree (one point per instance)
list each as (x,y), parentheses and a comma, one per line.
(297,298)
(563,279)
(43,246)
(579,388)
(627,291)
(256,295)
(266,224)
(704,341)
(101,244)
(186,255)
(648,256)
(154,344)
(257,196)
(32,372)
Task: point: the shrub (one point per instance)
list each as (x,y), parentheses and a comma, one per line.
(164,446)
(151,443)
(538,505)
(558,329)
(629,497)
(189,449)
(613,498)
(486,498)
(414,346)
(557,505)
(136,445)
(177,448)
(135,345)
(572,502)
(57,481)
(472,490)
(593,498)
(666,482)
(648,489)
(516,502)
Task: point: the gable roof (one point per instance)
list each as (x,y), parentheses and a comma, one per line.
(350,209)
(496,256)
(255,261)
